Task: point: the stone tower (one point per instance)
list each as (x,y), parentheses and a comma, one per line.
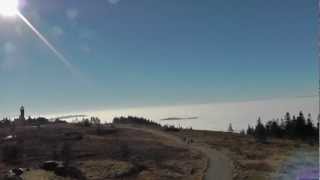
(22,113)
(21,120)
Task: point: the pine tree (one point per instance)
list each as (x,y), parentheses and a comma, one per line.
(275,129)
(250,130)
(230,129)
(260,132)
(309,127)
(300,127)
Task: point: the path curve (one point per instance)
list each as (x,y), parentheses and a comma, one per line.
(219,165)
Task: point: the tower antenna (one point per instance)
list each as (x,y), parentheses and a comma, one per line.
(318,9)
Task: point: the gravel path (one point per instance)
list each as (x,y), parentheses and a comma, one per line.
(219,165)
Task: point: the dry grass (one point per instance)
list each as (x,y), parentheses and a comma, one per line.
(104,169)
(252,160)
(107,155)
(41,175)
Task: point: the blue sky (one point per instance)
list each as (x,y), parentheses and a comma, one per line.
(157,52)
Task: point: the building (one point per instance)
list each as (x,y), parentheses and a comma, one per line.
(21,120)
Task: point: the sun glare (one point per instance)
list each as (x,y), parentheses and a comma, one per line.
(9,8)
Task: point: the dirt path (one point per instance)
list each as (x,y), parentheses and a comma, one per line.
(219,166)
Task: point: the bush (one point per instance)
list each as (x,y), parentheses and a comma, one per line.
(171,128)
(135,121)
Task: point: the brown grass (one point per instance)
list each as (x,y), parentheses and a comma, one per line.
(115,153)
(252,160)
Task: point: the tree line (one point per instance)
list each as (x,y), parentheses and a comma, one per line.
(290,127)
(5,122)
(135,120)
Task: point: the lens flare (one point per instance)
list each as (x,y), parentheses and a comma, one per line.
(9,8)
(60,56)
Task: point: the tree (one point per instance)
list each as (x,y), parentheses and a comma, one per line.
(290,125)
(309,127)
(95,121)
(230,129)
(260,132)
(85,123)
(5,122)
(250,130)
(242,132)
(300,127)
(275,129)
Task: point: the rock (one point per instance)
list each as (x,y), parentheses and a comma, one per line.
(16,171)
(14,174)
(10,137)
(51,165)
(71,172)
(61,171)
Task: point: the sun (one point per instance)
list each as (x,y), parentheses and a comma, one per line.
(9,8)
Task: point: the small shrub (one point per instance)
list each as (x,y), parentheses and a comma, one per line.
(171,128)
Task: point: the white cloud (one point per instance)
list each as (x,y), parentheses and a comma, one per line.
(113,1)
(72,14)
(217,116)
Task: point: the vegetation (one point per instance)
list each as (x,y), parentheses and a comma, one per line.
(230,129)
(6,122)
(37,121)
(171,128)
(144,122)
(135,120)
(298,128)
(93,121)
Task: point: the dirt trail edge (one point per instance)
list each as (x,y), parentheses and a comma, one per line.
(219,165)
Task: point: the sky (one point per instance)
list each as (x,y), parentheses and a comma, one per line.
(145,53)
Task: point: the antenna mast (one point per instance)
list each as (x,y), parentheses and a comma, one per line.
(318,9)
(319,56)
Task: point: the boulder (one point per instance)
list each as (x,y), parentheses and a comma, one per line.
(16,171)
(50,165)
